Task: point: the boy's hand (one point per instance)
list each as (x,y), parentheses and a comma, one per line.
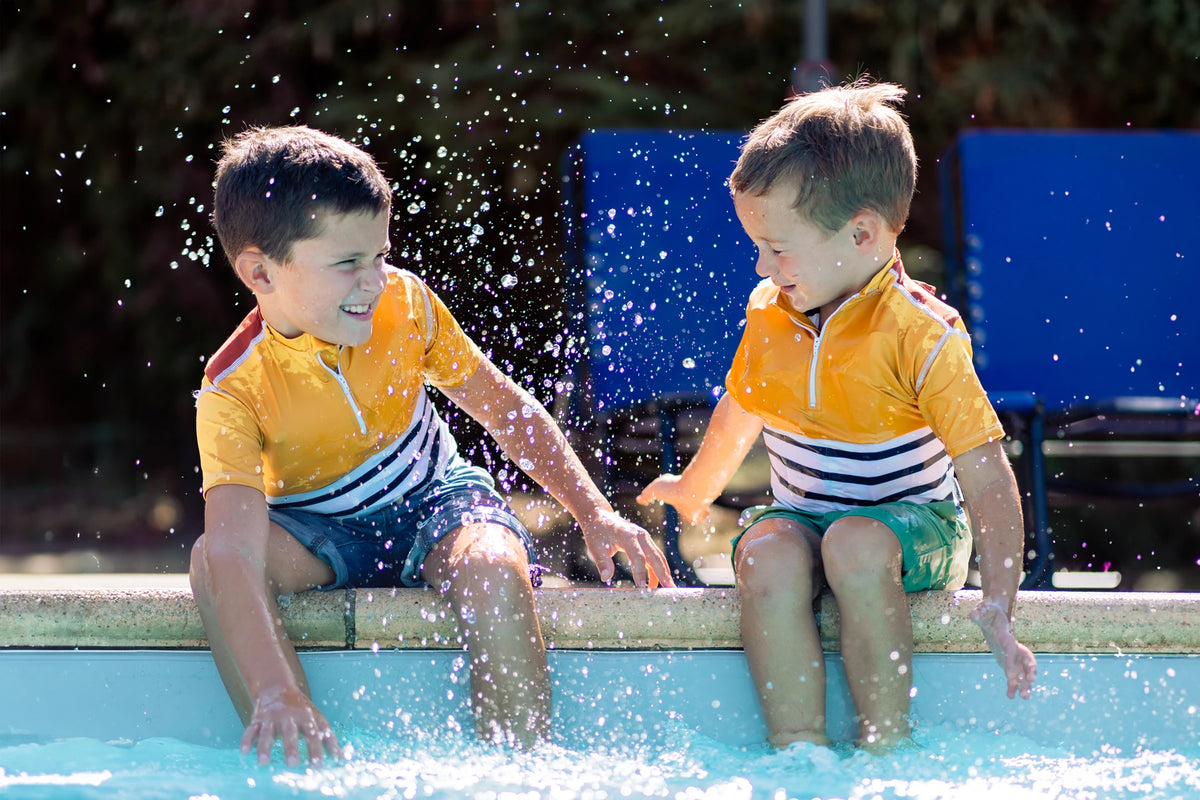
(287,715)
(671,489)
(1019,663)
(609,533)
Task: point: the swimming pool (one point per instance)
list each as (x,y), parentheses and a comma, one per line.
(633,715)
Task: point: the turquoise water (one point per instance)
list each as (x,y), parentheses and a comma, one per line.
(946,763)
(144,725)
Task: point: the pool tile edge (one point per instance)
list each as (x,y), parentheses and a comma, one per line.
(591,619)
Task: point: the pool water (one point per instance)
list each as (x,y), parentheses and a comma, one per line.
(945,763)
(148,725)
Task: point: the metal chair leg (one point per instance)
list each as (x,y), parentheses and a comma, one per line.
(1041,569)
(681,570)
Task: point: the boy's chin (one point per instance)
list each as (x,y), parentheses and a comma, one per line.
(354,338)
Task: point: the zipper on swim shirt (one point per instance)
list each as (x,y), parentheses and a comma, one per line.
(812,367)
(818,335)
(812,364)
(341,379)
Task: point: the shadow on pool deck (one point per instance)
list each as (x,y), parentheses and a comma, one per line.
(162,560)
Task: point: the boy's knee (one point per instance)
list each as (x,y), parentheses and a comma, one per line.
(771,559)
(859,546)
(487,557)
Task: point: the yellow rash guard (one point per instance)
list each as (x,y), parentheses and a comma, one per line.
(869,407)
(328,429)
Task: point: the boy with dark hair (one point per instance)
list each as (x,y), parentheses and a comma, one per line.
(325,464)
(879,433)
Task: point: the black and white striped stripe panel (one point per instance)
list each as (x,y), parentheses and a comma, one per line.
(819,476)
(405,467)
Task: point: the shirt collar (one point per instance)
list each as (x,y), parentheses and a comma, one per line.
(892,272)
(304,343)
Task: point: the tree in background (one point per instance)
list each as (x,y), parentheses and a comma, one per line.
(112,290)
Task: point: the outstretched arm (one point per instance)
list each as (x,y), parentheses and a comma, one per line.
(236,600)
(528,435)
(991,495)
(730,435)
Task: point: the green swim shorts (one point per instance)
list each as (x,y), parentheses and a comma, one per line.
(935,538)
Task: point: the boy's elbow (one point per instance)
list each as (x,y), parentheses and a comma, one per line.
(212,556)
(199,574)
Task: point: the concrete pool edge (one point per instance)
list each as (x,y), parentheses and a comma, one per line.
(591,619)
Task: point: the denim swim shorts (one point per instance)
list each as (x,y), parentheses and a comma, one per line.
(935,538)
(388,547)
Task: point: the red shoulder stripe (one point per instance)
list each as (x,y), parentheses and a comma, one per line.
(236,346)
(926,295)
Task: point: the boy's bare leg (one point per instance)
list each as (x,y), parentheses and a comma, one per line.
(483,571)
(778,568)
(290,568)
(862,560)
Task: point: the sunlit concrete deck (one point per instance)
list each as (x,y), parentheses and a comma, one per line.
(162,614)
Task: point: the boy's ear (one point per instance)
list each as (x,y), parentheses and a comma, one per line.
(252,267)
(867,228)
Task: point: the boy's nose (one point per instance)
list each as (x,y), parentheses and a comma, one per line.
(375,278)
(763,267)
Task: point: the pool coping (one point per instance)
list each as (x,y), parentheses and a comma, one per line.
(589,619)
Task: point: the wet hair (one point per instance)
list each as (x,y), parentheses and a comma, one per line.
(272,184)
(847,149)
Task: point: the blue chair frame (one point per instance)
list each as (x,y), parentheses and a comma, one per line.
(659,274)
(1074,257)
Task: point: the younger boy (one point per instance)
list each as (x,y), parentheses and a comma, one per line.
(861,382)
(325,464)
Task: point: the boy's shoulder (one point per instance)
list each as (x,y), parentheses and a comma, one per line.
(924,299)
(763,295)
(236,348)
(403,280)
(408,294)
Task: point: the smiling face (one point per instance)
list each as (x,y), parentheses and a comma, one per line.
(330,287)
(815,269)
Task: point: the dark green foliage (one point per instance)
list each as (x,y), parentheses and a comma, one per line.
(113,290)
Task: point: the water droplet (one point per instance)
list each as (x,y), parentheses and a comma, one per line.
(508,281)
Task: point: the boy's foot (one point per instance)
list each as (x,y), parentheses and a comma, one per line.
(783,740)
(879,743)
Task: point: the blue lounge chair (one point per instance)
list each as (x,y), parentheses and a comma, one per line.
(660,271)
(1075,259)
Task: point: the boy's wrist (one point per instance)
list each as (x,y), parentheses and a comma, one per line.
(589,506)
